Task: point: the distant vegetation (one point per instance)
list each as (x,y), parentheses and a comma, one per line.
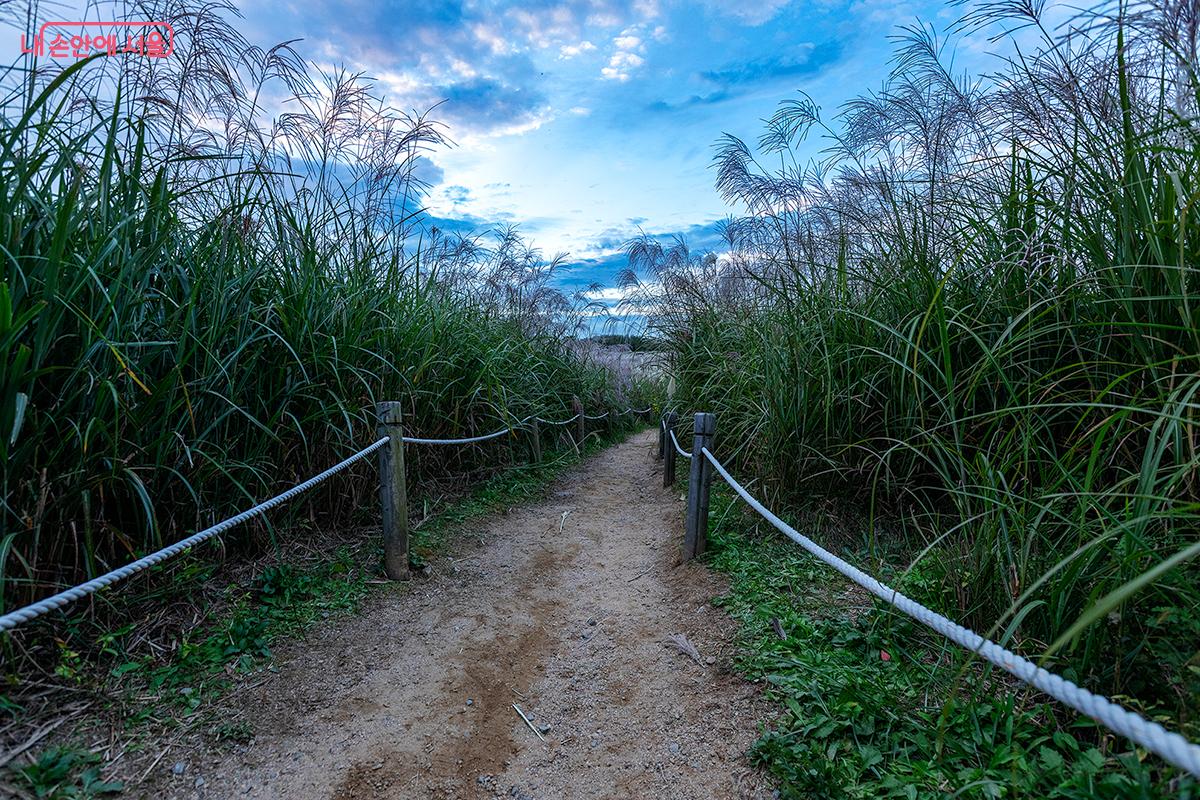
(975,317)
(636,344)
(213,267)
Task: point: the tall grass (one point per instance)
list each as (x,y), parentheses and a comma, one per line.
(976,313)
(212,269)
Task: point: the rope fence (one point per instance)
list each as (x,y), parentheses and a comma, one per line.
(468,440)
(393,498)
(1170,746)
(35,610)
(679,449)
(563,422)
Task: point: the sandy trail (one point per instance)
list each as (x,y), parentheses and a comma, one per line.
(414,697)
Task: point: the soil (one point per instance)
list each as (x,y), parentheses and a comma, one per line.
(560,608)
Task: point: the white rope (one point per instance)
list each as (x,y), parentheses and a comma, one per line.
(645,410)
(678,449)
(1150,735)
(470,440)
(34,610)
(598,416)
(550,422)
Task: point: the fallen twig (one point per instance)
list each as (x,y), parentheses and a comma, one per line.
(642,574)
(34,739)
(536,732)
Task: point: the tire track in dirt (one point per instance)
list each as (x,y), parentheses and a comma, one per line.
(413,698)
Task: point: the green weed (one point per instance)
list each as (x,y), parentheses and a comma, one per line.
(872,706)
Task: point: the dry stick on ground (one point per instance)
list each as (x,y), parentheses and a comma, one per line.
(536,732)
(35,738)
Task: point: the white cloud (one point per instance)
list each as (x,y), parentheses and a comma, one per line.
(625,58)
(581,111)
(609,293)
(572,50)
(748,13)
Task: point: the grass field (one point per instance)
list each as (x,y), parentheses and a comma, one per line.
(975,318)
(212,271)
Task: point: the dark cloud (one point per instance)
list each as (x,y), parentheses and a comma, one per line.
(427,172)
(457,194)
(763,70)
(691,102)
(476,57)
(487,103)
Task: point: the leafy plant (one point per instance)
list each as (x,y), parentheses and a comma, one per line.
(65,774)
(974,314)
(857,724)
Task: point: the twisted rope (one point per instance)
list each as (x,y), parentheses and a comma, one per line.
(34,610)
(469,440)
(564,422)
(597,416)
(1150,735)
(678,449)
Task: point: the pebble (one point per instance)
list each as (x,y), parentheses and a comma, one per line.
(179,768)
(591,621)
(710,660)
(674,748)
(199,782)
(470,702)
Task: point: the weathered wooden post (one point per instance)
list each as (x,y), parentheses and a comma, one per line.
(662,438)
(577,407)
(535,440)
(699,480)
(393,493)
(669,454)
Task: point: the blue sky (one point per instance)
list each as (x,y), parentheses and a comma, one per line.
(584,121)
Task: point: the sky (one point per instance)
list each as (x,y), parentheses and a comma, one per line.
(584,122)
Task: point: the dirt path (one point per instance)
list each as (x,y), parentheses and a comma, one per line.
(414,698)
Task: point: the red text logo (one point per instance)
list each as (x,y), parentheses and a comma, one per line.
(83,39)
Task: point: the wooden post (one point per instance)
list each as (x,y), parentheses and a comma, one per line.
(669,454)
(535,440)
(577,407)
(662,438)
(699,480)
(393,493)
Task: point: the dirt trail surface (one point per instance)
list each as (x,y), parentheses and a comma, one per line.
(560,607)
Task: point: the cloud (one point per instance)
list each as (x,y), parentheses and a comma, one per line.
(621,65)
(456,194)
(482,58)
(490,105)
(428,172)
(691,102)
(625,59)
(806,59)
(572,50)
(610,294)
(753,14)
